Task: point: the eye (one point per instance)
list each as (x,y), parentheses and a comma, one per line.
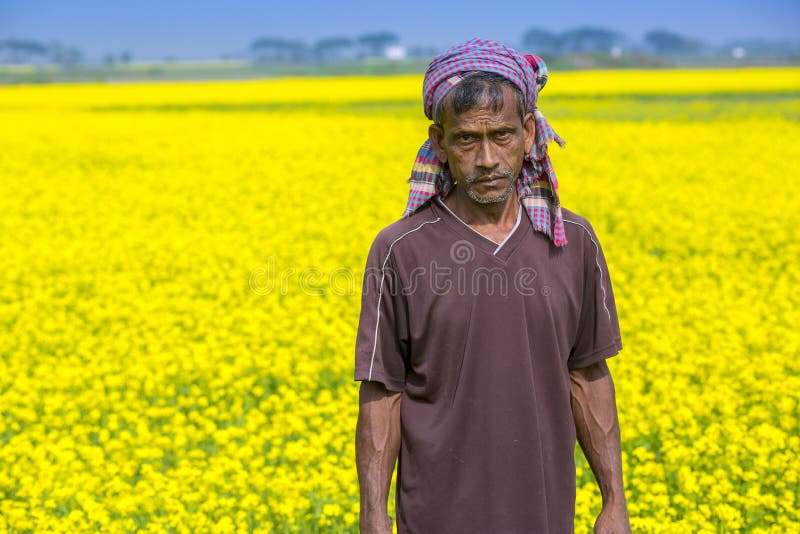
(465,137)
(503,135)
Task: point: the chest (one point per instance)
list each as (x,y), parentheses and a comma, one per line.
(454,290)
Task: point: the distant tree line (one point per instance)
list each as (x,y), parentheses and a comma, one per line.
(386,44)
(336,48)
(328,49)
(580,40)
(584,39)
(28,51)
(123,58)
(594,39)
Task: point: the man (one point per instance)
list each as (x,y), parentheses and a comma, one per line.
(487,315)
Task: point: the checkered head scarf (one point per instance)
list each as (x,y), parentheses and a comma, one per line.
(536,184)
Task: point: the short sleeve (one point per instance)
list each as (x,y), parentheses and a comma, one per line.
(598,335)
(382,342)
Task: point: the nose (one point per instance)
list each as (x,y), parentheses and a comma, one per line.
(487,155)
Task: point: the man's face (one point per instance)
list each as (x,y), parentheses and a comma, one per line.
(484,149)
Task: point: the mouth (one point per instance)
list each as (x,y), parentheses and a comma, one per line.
(492,180)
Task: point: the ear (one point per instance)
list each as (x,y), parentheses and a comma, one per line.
(529,127)
(436,135)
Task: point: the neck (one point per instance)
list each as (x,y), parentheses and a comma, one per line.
(477,214)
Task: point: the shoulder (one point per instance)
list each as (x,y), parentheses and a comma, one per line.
(408,228)
(577,227)
(575,224)
(581,233)
(414,232)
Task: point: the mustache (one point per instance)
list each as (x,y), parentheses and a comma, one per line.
(471,179)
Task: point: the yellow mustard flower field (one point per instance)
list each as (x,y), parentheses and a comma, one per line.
(180,277)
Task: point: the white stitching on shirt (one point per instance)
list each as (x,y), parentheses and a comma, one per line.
(596,261)
(380,291)
(503,242)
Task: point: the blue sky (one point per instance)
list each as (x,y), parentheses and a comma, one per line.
(203,29)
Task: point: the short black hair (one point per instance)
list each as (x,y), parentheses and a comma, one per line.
(479,89)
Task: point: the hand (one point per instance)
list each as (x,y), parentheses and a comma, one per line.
(377,525)
(613,520)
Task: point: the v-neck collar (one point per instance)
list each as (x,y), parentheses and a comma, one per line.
(500,250)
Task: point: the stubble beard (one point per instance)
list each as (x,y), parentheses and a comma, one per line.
(502,197)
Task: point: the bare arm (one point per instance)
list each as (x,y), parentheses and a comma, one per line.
(597,428)
(377,446)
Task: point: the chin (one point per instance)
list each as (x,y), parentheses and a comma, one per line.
(490,199)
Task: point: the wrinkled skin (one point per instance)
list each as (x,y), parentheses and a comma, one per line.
(479,144)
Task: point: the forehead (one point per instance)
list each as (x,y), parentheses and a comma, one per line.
(482,114)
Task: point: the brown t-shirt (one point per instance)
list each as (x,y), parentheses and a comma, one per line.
(480,338)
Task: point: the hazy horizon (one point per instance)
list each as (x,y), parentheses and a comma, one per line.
(210,29)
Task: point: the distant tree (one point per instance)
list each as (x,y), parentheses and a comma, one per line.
(22,51)
(125,57)
(66,56)
(375,43)
(268,49)
(667,42)
(276,49)
(540,41)
(589,39)
(331,48)
(109,60)
(297,51)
